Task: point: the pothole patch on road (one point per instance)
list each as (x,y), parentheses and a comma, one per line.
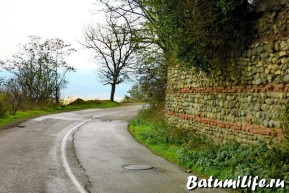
(159,169)
(137,167)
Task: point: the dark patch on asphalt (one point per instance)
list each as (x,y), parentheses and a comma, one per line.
(106,120)
(137,167)
(158,169)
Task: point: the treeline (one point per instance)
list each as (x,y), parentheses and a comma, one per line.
(37,75)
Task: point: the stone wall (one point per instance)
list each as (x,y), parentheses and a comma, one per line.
(243,101)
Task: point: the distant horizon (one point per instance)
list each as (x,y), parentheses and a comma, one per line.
(85,83)
(54,19)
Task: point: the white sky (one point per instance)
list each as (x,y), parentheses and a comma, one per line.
(64,19)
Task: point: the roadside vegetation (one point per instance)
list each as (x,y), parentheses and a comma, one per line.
(37,76)
(197,34)
(199,38)
(197,153)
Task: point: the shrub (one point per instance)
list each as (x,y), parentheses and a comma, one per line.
(3,106)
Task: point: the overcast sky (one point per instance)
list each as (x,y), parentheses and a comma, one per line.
(64,19)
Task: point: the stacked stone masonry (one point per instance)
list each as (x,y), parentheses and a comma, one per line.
(244,101)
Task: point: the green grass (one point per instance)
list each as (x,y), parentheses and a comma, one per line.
(24,115)
(164,150)
(197,153)
(140,128)
(105,104)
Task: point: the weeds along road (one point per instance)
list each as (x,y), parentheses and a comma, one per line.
(83,151)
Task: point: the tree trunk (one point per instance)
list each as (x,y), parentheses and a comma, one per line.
(112,92)
(57,95)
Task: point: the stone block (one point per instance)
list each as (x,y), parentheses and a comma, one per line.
(284,46)
(269,47)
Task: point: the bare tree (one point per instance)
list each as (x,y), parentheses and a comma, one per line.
(153,53)
(113,46)
(140,17)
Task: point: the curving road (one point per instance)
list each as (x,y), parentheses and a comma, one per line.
(84,151)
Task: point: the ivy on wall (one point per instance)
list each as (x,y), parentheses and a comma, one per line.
(200,33)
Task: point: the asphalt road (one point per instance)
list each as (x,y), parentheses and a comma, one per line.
(84,151)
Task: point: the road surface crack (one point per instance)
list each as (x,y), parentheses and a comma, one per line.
(88,182)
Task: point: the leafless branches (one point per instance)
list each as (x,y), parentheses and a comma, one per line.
(113,46)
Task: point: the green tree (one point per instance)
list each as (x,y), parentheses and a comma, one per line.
(152,75)
(190,33)
(40,69)
(198,33)
(3,103)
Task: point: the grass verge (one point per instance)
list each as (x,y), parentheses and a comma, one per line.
(141,130)
(12,120)
(222,161)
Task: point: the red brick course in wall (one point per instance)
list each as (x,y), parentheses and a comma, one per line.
(246,127)
(262,67)
(237,89)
